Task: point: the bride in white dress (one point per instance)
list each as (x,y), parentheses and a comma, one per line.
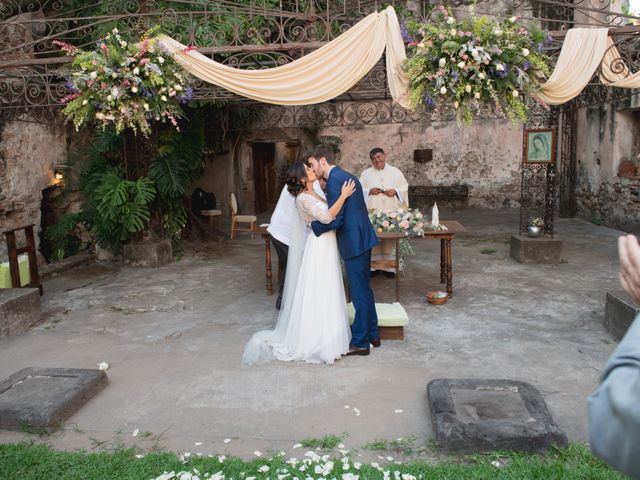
(313,325)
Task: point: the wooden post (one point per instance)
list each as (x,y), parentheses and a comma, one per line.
(33,261)
(443,260)
(449,256)
(12,251)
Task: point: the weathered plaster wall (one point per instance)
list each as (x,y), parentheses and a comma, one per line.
(486,157)
(607,137)
(29,153)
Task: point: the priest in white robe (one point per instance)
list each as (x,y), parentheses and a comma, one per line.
(385,188)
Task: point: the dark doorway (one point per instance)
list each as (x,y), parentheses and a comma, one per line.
(264,176)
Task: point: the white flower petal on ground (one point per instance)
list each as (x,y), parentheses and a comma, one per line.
(226,440)
(166,476)
(357,465)
(257,453)
(341,445)
(374,465)
(297,445)
(264,469)
(356,411)
(347,407)
(221,458)
(389,459)
(104,366)
(139,456)
(496,464)
(197,444)
(343,452)
(217,476)
(250,478)
(135,432)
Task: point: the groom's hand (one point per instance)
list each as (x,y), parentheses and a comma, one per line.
(390,193)
(375,191)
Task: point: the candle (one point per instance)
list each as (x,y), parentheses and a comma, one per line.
(435,215)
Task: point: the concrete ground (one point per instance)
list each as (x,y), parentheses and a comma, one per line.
(174,337)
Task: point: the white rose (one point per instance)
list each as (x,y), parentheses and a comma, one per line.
(93,75)
(474,52)
(500,67)
(163,98)
(114,75)
(476,95)
(115,30)
(451,20)
(515,94)
(420,45)
(136,71)
(497,32)
(146,106)
(456,104)
(85,102)
(109,97)
(453,31)
(100,116)
(160,60)
(443,90)
(482,76)
(123,43)
(177,87)
(442,62)
(134,89)
(461,65)
(525,52)
(467,88)
(513,19)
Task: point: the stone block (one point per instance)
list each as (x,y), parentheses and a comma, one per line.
(619,313)
(535,250)
(485,415)
(151,253)
(19,309)
(40,399)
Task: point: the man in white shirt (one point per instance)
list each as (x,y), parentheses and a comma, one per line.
(385,188)
(280,231)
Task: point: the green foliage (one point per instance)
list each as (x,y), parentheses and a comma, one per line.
(122,208)
(328,442)
(63,238)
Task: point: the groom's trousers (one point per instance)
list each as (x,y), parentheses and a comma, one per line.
(365,324)
(282,251)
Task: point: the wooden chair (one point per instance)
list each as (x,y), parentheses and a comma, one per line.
(211,214)
(240,219)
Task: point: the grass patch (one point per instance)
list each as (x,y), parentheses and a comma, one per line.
(376,445)
(488,251)
(328,442)
(36,462)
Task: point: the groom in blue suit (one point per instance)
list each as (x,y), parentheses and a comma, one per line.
(356,237)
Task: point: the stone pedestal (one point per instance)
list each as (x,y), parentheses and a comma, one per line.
(19,309)
(485,415)
(619,313)
(535,250)
(40,399)
(150,253)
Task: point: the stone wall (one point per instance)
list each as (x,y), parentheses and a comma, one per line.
(29,153)
(606,138)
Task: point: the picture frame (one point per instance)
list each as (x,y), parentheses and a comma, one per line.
(540,146)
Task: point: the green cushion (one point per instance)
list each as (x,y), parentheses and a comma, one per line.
(23,267)
(389,314)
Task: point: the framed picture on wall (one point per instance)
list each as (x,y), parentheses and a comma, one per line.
(540,146)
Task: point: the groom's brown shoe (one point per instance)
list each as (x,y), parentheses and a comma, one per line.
(375,342)
(357,351)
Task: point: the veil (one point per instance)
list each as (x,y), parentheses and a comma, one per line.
(259,349)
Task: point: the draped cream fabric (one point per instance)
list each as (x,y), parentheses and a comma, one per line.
(317,77)
(584,51)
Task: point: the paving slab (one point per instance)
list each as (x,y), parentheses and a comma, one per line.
(40,399)
(477,415)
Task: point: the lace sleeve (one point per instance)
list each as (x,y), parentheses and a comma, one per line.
(314,209)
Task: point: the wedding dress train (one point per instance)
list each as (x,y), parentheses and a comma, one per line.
(312,325)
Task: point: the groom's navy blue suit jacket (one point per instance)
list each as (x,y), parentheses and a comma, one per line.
(354,232)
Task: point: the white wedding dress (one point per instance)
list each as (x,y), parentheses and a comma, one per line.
(313,325)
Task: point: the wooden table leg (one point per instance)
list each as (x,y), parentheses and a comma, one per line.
(397,270)
(449,259)
(12,252)
(443,260)
(267,242)
(33,262)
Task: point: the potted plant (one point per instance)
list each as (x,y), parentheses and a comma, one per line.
(536,227)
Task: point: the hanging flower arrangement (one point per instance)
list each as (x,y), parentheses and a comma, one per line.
(465,64)
(125,85)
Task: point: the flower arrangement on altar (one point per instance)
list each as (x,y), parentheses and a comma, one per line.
(125,84)
(411,222)
(464,64)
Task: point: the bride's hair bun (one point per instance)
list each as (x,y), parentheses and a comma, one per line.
(296,178)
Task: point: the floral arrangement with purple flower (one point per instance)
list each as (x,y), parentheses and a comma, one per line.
(125,85)
(463,64)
